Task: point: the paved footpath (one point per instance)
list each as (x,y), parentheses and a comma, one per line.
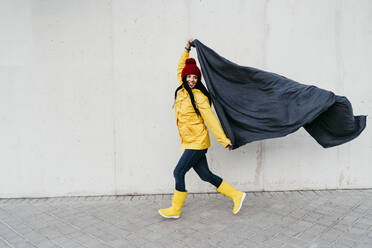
(313,219)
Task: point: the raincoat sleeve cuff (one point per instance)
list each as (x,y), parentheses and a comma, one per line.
(226,142)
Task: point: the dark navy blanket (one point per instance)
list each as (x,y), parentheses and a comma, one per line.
(253,104)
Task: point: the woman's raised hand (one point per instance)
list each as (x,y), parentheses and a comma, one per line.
(188,44)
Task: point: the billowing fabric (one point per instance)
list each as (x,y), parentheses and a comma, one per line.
(192,130)
(253,104)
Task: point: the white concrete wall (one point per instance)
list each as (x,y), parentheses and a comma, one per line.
(86,92)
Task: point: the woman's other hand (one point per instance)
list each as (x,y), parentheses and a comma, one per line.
(229,147)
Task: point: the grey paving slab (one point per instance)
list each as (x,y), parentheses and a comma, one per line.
(311,219)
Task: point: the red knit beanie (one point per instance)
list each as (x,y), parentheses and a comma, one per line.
(191,68)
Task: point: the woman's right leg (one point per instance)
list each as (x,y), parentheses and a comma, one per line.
(187,160)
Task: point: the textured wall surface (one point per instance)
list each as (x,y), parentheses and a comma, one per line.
(87,87)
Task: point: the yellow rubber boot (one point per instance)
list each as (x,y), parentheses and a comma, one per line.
(175,210)
(236,195)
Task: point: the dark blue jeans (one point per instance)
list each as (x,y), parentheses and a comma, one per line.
(197,160)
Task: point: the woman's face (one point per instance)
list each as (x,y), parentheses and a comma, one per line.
(191,80)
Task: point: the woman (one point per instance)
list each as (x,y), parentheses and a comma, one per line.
(193,108)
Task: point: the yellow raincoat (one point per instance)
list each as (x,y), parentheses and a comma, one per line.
(193,132)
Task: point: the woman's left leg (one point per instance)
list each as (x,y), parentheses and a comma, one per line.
(205,174)
(223,187)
